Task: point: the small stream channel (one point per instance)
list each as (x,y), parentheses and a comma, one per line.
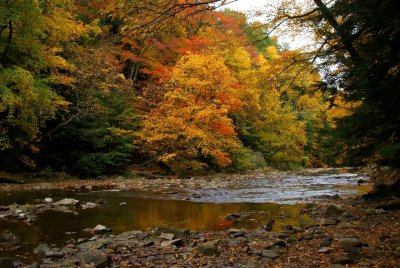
(256,200)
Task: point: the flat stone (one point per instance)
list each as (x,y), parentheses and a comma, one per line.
(326,222)
(97,260)
(325,250)
(97,244)
(234,233)
(271,254)
(48,200)
(66,202)
(54,254)
(350,242)
(41,249)
(208,248)
(167,236)
(101,229)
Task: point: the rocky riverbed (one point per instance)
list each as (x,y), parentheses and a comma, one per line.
(332,231)
(344,235)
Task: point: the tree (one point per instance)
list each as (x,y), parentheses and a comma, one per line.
(359,38)
(190,129)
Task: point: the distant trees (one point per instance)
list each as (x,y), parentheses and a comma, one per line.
(89,86)
(358,53)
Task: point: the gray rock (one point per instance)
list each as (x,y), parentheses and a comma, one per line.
(54,254)
(100,229)
(336,266)
(97,244)
(271,254)
(325,250)
(123,204)
(95,259)
(167,236)
(347,242)
(48,200)
(333,212)
(66,202)
(41,249)
(175,242)
(208,248)
(234,233)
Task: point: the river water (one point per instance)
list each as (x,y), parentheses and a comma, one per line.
(256,200)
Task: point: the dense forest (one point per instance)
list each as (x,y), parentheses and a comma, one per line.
(91,87)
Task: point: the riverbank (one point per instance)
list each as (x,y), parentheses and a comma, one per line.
(165,183)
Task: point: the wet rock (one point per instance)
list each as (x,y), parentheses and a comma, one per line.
(6,263)
(48,200)
(123,204)
(101,229)
(88,205)
(208,248)
(167,236)
(326,222)
(333,212)
(41,249)
(325,250)
(96,260)
(66,202)
(232,216)
(271,254)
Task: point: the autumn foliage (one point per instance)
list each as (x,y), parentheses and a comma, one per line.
(90,86)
